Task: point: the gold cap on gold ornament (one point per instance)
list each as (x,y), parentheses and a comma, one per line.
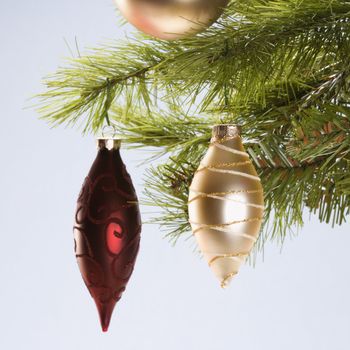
(223,131)
(108,143)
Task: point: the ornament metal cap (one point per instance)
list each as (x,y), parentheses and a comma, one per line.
(221,131)
(108,143)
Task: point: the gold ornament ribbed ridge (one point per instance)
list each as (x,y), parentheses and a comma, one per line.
(239,171)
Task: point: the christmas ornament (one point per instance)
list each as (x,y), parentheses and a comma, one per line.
(107,229)
(171,19)
(225,203)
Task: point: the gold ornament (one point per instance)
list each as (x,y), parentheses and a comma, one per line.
(171,19)
(226,203)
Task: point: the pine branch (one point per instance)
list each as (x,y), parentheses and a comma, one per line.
(280,69)
(256,44)
(168,130)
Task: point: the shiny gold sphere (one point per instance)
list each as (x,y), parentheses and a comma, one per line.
(171,19)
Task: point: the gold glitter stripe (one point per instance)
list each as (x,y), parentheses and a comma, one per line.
(229,164)
(223,282)
(224,165)
(237,173)
(230,223)
(204,195)
(229,149)
(229,192)
(223,256)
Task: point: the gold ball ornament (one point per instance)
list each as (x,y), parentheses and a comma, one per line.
(226,203)
(171,19)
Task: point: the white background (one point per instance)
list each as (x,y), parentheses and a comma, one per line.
(297,299)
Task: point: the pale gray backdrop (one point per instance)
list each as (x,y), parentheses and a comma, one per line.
(297,300)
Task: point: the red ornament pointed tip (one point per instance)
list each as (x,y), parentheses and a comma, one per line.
(105,318)
(105,312)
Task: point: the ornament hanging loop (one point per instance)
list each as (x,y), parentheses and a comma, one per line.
(226,115)
(108,138)
(109,132)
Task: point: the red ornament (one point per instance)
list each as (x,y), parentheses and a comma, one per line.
(107,229)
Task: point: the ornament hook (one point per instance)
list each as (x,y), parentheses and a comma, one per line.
(109,132)
(108,138)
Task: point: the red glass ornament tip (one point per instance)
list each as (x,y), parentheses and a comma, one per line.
(105,312)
